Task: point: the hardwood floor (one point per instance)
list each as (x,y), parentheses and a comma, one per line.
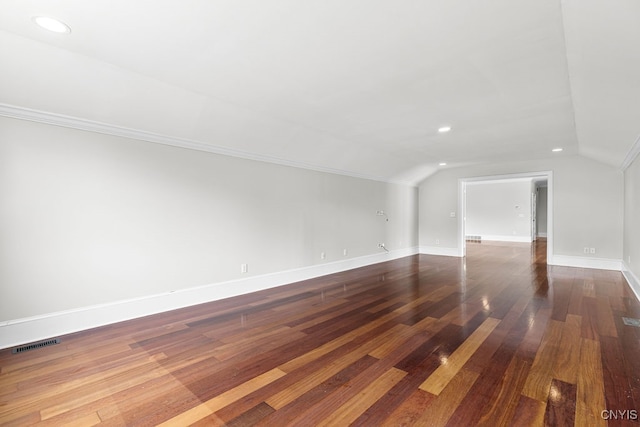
(496,339)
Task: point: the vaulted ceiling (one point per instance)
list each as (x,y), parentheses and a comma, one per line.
(353,86)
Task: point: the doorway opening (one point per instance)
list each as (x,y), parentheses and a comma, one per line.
(533,218)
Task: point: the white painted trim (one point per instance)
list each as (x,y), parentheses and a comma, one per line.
(632,279)
(462,218)
(586,262)
(519,239)
(437,250)
(38,116)
(498,179)
(25,330)
(542,234)
(631,155)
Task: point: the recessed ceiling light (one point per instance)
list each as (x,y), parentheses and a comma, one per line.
(52,24)
(442,164)
(444,129)
(557,150)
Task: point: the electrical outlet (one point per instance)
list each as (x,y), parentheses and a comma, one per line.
(244,268)
(437,241)
(381,245)
(344,252)
(323,255)
(586,250)
(592,250)
(452,214)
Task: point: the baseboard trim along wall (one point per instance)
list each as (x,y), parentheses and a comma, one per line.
(25,330)
(585,262)
(437,250)
(501,238)
(632,279)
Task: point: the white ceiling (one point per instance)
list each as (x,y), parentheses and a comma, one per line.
(354,86)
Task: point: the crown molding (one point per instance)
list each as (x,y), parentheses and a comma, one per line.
(631,155)
(62,120)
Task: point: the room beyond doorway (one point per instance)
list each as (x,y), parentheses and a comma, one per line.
(508,217)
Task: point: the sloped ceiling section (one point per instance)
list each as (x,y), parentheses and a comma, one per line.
(603,53)
(357,87)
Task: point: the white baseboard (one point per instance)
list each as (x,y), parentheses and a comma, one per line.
(500,238)
(586,262)
(438,250)
(542,234)
(632,279)
(25,330)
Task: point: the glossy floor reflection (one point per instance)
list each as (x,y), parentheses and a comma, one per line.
(496,338)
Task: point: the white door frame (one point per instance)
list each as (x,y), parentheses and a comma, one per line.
(462,206)
(534,213)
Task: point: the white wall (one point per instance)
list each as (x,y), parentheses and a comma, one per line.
(631,255)
(499,210)
(587,203)
(90,219)
(541,211)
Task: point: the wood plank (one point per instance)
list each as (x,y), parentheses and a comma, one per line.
(589,319)
(377,413)
(401,333)
(616,382)
(340,341)
(561,405)
(224,399)
(405,414)
(441,377)
(561,299)
(355,406)
(340,381)
(605,325)
(568,356)
(491,377)
(539,379)
(529,412)
(312,380)
(590,400)
(252,416)
(440,410)
(80,392)
(506,396)
(266,340)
